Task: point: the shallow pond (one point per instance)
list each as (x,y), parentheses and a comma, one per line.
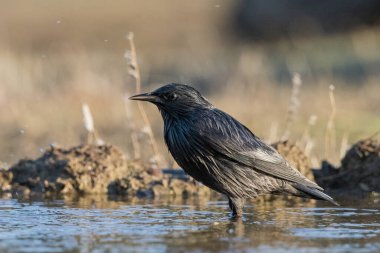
(194,225)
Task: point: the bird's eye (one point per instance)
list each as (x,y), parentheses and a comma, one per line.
(170,97)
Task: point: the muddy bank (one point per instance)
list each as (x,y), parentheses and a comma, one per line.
(104,169)
(359,172)
(85,169)
(91,170)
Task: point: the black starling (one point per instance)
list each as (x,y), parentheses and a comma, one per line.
(223,154)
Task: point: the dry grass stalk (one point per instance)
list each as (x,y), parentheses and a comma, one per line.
(132,129)
(294,104)
(92,136)
(344,145)
(134,71)
(330,138)
(306,139)
(309,147)
(311,122)
(273,133)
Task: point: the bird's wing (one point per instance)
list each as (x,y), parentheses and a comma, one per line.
(224,136)
(273,164)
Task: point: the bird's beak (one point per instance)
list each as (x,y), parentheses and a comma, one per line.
(146,97)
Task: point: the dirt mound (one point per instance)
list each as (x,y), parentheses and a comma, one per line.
(359,172)
(5,180)
(148,185)
(82,169)
(295,156)
(92,169)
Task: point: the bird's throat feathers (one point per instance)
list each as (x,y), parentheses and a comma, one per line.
(183,112)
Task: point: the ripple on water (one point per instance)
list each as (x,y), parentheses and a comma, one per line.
(59,226)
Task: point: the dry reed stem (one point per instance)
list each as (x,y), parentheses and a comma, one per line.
(330,139)
(306,139)
(272,133)
(306,134)
(132,129)
(294,104)
(134,71)
(92,135)
(344,145)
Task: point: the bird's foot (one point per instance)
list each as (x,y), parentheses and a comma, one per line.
(236,205)
(236,216)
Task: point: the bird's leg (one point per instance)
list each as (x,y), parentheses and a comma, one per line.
(236,205)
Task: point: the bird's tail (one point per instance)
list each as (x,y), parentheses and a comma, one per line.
(314,193)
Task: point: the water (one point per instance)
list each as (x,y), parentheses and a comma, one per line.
(194,225)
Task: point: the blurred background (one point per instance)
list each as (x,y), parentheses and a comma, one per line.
(57,55)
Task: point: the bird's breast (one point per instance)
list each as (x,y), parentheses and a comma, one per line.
(193,159)
(177,138)
(180,139)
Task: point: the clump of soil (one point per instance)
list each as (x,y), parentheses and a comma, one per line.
(359,172)
(82,169)
(295,156)
(148,185)
(5,180)
(91,169)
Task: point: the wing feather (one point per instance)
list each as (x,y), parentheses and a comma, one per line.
(224,136)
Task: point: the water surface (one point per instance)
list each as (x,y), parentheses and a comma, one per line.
(93,224)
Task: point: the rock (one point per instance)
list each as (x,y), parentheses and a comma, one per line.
(363,156)
(326,170)
(359,172)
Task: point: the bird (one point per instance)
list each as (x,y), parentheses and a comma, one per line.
(220,152)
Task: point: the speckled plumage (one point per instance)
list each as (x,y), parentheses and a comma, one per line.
(217,150)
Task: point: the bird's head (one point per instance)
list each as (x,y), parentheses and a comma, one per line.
(175,99)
